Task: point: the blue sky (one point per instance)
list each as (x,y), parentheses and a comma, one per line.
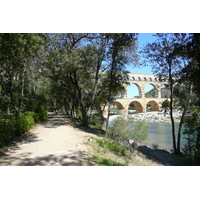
(143,39)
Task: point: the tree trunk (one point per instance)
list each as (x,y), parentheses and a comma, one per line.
(179,132)
(22,89)
(109,100)
(111,86)
(107,120)
(197,153)
(171,109)
(84,115)
(66,106)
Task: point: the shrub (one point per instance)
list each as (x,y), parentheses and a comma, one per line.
(42,114)
(6,132)
(19,125)
(22,123)
(190,146)
(123,130)
(113,146)
(97,121)
(33,115)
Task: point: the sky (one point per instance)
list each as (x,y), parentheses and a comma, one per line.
(143,39)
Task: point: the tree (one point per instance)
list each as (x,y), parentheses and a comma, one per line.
(184,98)
(120,46)
(191,74)
(17,54)
(81,65)
(167,62)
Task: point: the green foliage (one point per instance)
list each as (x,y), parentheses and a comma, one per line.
(165,57)
(106,161)
(33,115)
(123,130)
(22,123)
(81,64)
(96,121)
(150,93)
(6,132)
(18,125)
(189,148)
(112,146)
(19,54)
(192,131)
(42,114)
(14,127)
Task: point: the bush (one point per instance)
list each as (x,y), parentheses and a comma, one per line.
(6,132)
(123,130)
(16,126)
(113,146)
(42,114)
(96,121)
(189,148)
(19,125)
(22,123)
(34,115)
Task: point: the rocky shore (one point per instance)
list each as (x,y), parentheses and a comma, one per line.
(153,116)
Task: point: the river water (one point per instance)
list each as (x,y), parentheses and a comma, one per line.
(160,135)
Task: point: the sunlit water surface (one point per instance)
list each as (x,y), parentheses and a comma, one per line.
(160,135)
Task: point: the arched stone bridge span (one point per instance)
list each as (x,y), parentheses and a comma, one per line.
(141,81)
(140,102)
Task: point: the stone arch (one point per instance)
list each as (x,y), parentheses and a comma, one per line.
(139,90)
(156,80)
(118,105)
(165,103)
(154,92)
(139,79)
(154,105)
(145,79)
(150,79)
(138,106)
(133,78)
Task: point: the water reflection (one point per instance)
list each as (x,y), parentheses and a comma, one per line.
(160,135)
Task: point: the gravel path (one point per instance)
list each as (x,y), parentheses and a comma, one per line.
(55,142)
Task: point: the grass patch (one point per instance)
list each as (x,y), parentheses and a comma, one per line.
(106,161)
(107,152)
(112,146)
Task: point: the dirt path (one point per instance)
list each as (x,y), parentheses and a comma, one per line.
(57,142)
(54,142)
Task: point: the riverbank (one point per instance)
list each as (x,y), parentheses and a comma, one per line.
(59,142)
(159,129)
(153,116)
(109,155)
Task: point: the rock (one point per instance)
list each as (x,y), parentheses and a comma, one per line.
(131,141)
(133,146)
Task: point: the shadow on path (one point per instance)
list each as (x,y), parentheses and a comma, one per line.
(73,158)
(93,131)
(163,157)
(24,139)
(55,120)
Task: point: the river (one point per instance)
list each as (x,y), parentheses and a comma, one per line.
(159,135)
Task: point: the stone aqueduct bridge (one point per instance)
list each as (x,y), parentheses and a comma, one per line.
(140,102)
